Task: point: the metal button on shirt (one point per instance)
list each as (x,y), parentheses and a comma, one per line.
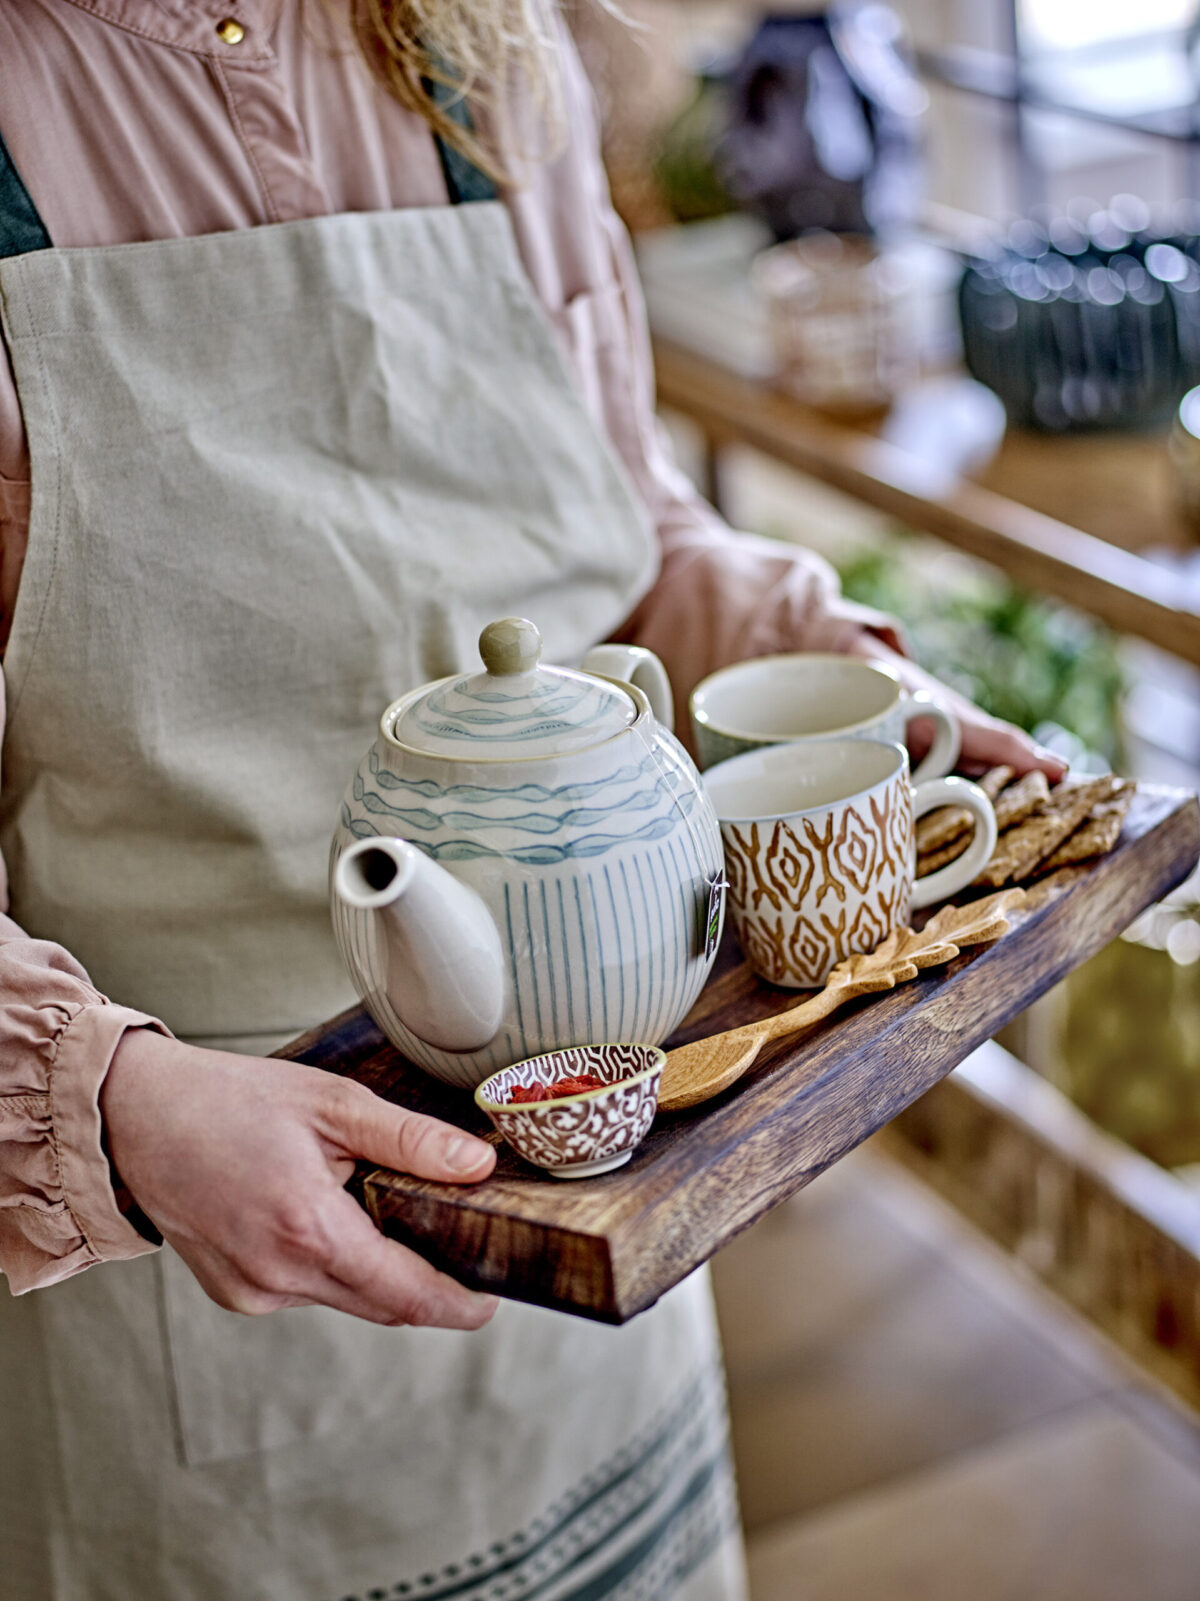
(230,30)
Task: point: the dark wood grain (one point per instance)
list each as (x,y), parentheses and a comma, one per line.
(609,1247)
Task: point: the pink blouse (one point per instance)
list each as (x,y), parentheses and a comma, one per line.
(136,119)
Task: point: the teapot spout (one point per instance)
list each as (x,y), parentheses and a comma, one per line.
(445,967)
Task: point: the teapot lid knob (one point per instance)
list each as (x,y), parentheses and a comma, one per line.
(512,645)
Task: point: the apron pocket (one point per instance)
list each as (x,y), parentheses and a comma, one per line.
(249,1384)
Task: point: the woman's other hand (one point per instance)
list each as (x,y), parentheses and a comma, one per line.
(986,741)
(240,1163)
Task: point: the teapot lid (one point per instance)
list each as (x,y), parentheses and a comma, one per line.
(515,708)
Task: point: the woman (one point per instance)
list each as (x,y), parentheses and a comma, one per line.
(288,421)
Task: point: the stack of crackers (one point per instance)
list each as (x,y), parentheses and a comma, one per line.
(1040,828)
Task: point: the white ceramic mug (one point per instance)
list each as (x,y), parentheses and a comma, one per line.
(820,850)
(774,700)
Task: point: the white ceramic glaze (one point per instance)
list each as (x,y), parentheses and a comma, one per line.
(773,700)
(578,1136)
(821,852)
(445,962)
(530,868)
(633,664)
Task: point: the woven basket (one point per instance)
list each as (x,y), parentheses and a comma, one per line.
(842,321)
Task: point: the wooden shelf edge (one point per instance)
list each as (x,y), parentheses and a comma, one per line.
(1125,590)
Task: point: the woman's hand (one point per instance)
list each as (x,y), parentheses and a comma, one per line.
(240,1162)
(986,741)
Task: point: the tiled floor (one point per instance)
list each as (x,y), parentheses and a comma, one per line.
(913,1422)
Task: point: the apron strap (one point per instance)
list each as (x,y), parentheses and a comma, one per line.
(465,182)
(21,227)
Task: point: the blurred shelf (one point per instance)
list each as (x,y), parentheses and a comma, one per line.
(1116,486)
(1108,491)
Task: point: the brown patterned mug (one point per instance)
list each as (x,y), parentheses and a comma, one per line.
(820,850)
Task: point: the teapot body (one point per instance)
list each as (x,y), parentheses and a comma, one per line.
(597,867)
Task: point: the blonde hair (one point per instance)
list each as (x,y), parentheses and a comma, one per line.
(498,57)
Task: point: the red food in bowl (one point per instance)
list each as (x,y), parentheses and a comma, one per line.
(523,1093)
(587,1109)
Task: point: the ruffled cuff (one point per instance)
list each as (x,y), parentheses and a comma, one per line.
(59,1212)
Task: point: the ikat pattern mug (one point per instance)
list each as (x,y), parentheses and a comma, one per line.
(773,700)
(820,850)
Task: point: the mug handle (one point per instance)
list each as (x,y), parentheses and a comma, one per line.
(947,739)
(631,664)
(947,880)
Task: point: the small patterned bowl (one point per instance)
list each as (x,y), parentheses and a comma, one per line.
(576,1136)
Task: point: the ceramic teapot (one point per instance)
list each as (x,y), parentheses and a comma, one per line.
(526,859)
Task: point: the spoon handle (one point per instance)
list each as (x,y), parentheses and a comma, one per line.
(808,1012)
(897,960)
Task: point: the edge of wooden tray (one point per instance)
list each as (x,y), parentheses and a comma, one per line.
(608,1248)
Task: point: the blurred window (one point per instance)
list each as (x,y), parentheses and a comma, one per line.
(1042,102)
(1068,24)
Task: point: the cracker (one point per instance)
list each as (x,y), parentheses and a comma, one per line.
(930,861)
(936,829)
(1023,847)
(1020,799)
(994,780)
(1095,836)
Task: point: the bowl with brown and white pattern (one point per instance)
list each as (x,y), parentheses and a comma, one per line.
(591,1131)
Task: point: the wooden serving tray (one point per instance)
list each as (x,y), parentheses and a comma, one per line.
(608,1247)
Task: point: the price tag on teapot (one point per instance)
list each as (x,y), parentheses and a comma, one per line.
(712,907)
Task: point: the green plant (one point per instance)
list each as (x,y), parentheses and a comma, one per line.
(1020,657)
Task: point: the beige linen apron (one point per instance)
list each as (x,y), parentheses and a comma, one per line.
(280,476)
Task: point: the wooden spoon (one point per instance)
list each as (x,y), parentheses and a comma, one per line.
(706,1067)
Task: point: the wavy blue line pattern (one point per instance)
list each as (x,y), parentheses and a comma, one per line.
(571,693)
(478,794)
(523,822)
(544,728)
(549,686)
(498,697)
(456,712)
(646,776)
(485,827)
